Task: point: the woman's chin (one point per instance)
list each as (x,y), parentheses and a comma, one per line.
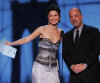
(54,24)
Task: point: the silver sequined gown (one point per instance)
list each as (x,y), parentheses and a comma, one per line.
(45,68)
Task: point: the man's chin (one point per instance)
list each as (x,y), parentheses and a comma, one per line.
(75,25)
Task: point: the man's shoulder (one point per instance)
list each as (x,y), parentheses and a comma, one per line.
(88,27)
(69,32)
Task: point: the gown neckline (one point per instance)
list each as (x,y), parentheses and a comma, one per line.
(51,40)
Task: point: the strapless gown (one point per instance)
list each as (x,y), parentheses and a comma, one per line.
(45,67)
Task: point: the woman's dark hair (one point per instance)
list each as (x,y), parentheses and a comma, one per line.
(53,7)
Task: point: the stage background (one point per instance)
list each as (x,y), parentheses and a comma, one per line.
(19,18)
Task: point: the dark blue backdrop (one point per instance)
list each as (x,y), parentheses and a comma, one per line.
(18,18)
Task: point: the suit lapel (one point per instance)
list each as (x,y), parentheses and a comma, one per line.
(71,36)
(82,36)
(71,41)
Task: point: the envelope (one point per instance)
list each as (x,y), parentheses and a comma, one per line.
(7,50)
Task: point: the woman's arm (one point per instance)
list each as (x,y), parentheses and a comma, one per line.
(27,39)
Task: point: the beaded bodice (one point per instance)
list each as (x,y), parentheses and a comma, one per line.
(47,51)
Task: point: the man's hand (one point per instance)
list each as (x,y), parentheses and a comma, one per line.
(77,68)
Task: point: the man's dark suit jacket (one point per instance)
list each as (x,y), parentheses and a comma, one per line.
(87,51)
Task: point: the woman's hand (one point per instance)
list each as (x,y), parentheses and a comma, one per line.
(8,43)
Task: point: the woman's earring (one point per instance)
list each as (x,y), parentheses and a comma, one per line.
(48,22)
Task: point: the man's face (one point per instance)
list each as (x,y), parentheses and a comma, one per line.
(75,17)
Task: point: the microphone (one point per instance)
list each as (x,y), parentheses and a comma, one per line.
(62,33)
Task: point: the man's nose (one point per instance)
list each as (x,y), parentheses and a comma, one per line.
(73,18)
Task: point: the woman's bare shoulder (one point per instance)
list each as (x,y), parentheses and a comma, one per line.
(43,27)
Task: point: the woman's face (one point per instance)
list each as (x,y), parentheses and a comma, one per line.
(53,17)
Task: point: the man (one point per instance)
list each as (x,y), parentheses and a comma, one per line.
(81,48)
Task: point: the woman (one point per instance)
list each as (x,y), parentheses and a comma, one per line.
(45,67)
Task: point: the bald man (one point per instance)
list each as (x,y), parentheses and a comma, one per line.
(81,48)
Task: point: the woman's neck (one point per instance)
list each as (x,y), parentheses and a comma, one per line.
(53,26)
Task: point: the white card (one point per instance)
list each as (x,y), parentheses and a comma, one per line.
(7,50)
